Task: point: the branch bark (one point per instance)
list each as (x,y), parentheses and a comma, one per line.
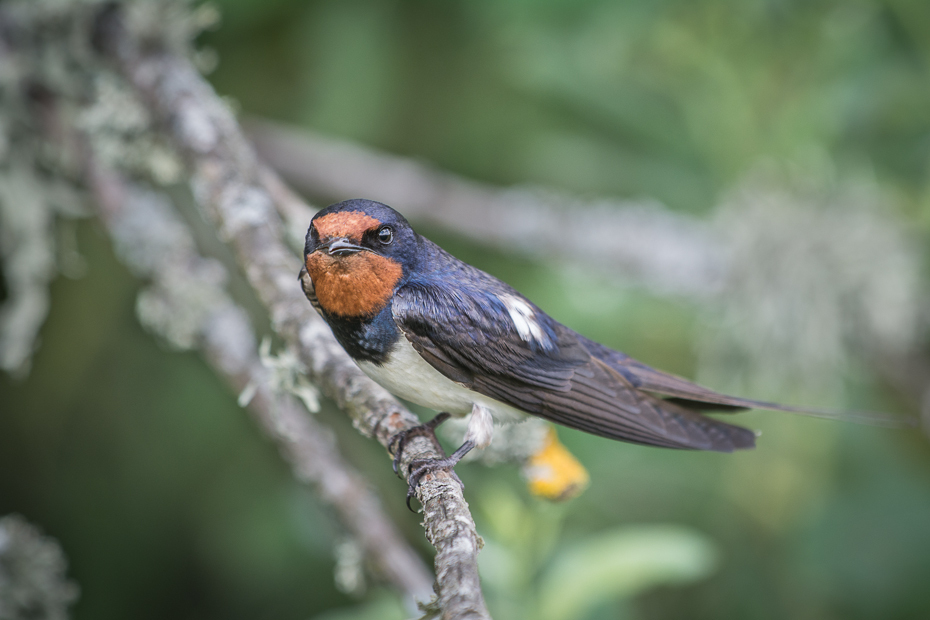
(227,182)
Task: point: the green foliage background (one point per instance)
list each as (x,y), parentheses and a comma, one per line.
(169,504)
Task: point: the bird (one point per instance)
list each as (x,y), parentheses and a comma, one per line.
(445,335)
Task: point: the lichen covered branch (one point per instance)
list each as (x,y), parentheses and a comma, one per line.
(228,184)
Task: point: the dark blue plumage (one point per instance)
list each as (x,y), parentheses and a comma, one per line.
(443,334)
(482,335)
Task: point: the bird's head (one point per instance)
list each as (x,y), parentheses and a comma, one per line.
(356,254)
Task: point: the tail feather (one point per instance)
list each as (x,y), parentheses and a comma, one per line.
(692,396)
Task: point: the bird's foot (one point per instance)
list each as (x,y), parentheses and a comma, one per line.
(428,429)
(421,467)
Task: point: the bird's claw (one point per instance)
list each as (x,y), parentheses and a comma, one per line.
(428,429)
(421,467)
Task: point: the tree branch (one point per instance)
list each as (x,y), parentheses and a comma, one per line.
(645,242)
(227,182)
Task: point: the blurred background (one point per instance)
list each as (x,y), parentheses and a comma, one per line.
(794,134)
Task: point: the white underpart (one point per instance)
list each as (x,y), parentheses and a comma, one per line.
(524,319)
(409,376)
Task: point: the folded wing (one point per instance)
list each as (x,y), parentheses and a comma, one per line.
(527,360)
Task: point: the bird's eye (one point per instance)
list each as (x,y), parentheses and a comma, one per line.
(385,235)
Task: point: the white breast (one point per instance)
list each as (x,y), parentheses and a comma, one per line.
(409,376)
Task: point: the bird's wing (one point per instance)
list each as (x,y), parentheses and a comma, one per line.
(675,388)
(500,345)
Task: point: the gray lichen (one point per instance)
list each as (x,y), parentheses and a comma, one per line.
(28,253)
(47,61)
(818,271)
(33,574)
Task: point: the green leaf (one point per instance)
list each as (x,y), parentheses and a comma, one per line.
(384,606)
(621,563)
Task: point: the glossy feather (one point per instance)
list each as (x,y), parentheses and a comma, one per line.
(466,334)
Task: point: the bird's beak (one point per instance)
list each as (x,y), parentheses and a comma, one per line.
(339,247)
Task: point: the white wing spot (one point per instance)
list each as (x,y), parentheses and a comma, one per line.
(524,319)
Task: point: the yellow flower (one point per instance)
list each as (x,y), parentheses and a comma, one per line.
(554,473)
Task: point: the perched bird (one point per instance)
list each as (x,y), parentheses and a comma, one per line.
(443,334)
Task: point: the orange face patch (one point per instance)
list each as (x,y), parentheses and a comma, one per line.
(358,285)
(349,224)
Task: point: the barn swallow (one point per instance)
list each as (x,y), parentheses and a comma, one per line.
(440,333)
